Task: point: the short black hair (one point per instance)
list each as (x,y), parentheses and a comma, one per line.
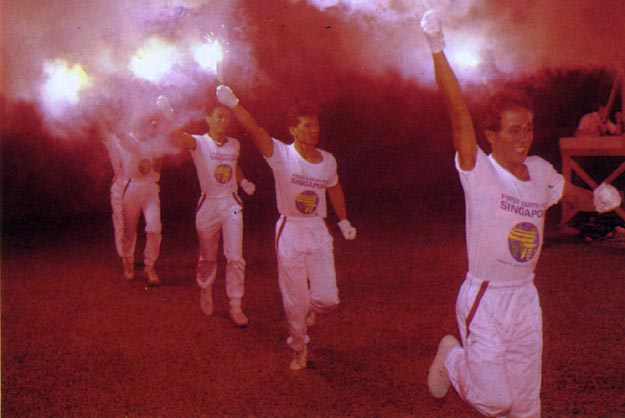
(303,108)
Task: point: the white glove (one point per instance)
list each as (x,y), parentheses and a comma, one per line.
(248,187)
(348,231)
(226,96)
(606,198)
(431,26)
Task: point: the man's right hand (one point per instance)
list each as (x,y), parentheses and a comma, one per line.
(226,96)
(431,26)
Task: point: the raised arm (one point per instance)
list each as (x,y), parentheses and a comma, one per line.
(465,141)
(184,140)
(260,137)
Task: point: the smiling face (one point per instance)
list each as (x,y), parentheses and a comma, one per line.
(512,141)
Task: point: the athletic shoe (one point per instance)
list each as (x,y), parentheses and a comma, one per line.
(299,359)
(206,300)
(238,318)
(153,279)
(310,318)
(129,269)
(438,381)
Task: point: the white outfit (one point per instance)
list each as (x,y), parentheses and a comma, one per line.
(111,142)
(304,246)
(140,195)
(219,210)
(498,368)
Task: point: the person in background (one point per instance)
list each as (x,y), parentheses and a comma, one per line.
(219,210)
(141,164)
(596,123)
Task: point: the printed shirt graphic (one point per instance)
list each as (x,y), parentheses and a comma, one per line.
(216,166)
(505,216)
(137,159)
(301,185)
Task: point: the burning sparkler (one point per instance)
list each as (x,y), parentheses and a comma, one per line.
(209,55)
(63,85)
(154,60)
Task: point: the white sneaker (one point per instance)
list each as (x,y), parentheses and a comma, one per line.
(310,318)
(299,359)
(153,279)
(129,269)
(206,300)
(238,318)
(438,381)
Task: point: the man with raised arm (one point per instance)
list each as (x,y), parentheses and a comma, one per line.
(303,174)
(219,210)
(496,367)
(141,164)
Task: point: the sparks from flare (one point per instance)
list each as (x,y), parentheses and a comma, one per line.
(63,85)
(208,54)
(154,60)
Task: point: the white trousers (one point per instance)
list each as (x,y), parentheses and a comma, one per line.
(498,370)
(215,217)
(117,193)
(142,197)
(307,277)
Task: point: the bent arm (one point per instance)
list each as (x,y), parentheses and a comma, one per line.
(465,141)
(239,174)
(579,197)
(337,199)
(184,140)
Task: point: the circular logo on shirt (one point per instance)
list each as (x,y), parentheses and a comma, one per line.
(523,241)
(145,165)
(223,173)
(306,202)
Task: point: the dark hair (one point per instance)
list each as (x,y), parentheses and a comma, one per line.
(502,102)
(305,108)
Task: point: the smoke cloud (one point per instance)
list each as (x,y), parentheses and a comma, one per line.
(367,61)
(485,38)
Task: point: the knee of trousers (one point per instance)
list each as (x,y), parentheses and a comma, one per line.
(238,264)
(205,280)
(324,305)
(154,229)
(496,404)
(206,269)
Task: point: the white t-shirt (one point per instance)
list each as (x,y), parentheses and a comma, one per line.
(505,216)
(138,159)
(216,166)
(301,185)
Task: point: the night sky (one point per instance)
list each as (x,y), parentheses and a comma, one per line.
(365,62)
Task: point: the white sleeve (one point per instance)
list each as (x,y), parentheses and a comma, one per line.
(469,178)
(555,185)
(276,160)
(334,178)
